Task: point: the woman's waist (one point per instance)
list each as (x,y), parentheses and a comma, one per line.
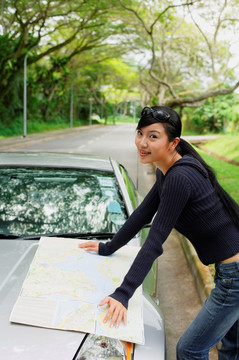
(231,259)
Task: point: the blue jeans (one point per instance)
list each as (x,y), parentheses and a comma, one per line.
(218,320)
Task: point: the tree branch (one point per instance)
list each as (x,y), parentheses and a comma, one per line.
(198,98)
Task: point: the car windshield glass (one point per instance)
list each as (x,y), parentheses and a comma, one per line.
(38,201)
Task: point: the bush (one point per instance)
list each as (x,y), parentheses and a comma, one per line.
(216,115)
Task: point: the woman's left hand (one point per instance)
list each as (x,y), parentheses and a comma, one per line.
(116,311)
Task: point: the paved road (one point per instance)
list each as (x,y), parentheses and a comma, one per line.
(176,292)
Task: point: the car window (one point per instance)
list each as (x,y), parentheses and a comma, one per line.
(41,201)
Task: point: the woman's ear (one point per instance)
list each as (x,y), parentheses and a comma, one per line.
(174,143)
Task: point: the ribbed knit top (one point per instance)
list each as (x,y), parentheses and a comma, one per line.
(183,199)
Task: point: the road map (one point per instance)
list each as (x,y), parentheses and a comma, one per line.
(65,284)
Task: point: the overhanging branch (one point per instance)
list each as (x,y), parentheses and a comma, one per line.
(198,98)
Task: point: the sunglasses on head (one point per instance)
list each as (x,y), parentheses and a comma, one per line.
(160,115)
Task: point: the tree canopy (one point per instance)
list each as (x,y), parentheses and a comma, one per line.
(187,63)
(151,52)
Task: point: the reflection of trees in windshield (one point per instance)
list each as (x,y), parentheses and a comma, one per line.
(53,201)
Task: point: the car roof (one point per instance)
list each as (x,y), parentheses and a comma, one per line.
(55,160)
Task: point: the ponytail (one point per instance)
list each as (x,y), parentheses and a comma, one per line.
(184,148)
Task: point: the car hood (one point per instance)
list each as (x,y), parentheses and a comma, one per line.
(20,341)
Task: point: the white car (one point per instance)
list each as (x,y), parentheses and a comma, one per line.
(36,193)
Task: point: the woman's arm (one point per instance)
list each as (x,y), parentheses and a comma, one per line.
(173,201)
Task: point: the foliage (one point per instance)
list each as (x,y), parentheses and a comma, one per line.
(186,64)
(108,86)
(15,128)
(72,28)
(215,115)
(110,54)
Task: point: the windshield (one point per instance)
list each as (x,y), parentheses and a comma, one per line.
(40,201)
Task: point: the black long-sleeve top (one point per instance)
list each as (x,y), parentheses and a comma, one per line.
(183,199)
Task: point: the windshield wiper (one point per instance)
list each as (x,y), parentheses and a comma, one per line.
(88,235)
(8,236)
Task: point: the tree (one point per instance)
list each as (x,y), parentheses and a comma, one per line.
(215,115)
(182,63)
(110,83)
(187,64)
(28,25)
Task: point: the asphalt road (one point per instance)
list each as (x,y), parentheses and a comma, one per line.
(176,293)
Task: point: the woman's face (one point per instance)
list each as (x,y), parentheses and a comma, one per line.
(153,145)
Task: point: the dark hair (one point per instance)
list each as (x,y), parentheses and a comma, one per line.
(173,129)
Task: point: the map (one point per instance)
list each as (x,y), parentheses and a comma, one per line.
(65,284)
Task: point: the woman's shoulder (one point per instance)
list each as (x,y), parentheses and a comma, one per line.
(188,166)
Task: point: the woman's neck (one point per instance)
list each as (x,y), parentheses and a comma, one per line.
(165,166)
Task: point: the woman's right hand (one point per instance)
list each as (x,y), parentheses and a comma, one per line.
(90,246)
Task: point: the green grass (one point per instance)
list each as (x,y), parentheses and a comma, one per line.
(227,174)
(119,119)
(226,145)
(15,128)
(38,126)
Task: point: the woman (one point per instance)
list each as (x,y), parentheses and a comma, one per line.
(186,196)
